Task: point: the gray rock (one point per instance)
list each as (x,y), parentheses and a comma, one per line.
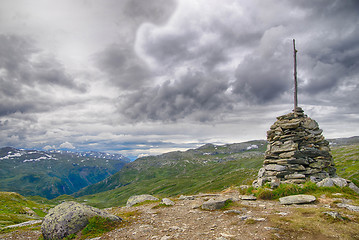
(334,215)
(275,167)
(287,146)
(214,204)
(183,197)
(297,199)
(330,182)
(310,124)
(248,197)
(68,218)
(354,187)
(167,202)
(140,198)
(349,207)
(327,182)
(233,212)
(340,182)
(28,223)
(294,176)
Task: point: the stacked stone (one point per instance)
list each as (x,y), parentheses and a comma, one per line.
(296,152)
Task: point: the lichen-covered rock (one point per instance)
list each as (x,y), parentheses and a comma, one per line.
(140,198)
(214,204)
(167,202)
(297,199)
(68,218)
(330,182)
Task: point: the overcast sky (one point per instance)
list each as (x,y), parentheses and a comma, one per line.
(150,76)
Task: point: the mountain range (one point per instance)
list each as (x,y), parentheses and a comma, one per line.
(105,180)
(53,173)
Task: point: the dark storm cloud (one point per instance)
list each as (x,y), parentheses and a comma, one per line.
(264,75)
(119,61)
(263,42)
(194,95)
(25,75)
(123,66)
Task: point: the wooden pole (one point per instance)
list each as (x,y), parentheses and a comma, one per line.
(295,77)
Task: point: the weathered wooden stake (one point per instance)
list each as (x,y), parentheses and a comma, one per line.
(295,76)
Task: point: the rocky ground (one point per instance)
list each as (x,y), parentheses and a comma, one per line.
(243,219)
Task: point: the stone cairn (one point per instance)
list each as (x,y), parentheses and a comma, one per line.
(297,152)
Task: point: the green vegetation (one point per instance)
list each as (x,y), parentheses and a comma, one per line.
(98,226)
(181,178)
(312,222)
(15,209)
(293,189)
(207,169)
(347,162)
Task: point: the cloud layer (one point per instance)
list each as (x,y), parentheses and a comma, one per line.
(143,77)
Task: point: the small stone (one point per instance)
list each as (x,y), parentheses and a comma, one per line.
(183,197)
(259,219)
(271,228)
(233,211)
(227,235)
(167,202)
(248,197)
(297,199)
(334,215)
(140,198)
(214,204)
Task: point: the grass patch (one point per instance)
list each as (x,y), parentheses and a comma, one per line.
(161,205)
(145,203)
(227,205)
(98,226)
(312,223)
(307,188)
(15,209)
(250,221)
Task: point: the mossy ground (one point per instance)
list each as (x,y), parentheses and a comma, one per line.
(15,209)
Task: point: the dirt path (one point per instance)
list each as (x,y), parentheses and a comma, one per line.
(185,220)
(244,219)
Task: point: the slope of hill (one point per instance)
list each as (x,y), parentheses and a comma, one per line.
(208,168)
(50,174)
(205,169)
(15,209)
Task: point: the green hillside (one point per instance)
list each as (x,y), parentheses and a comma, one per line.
(347,162)
(15,209)
(206,169)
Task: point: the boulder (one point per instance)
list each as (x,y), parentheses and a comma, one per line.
(140,198)
(214,204)
(69,218)
(167,202)
(330,182)
(297,199)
